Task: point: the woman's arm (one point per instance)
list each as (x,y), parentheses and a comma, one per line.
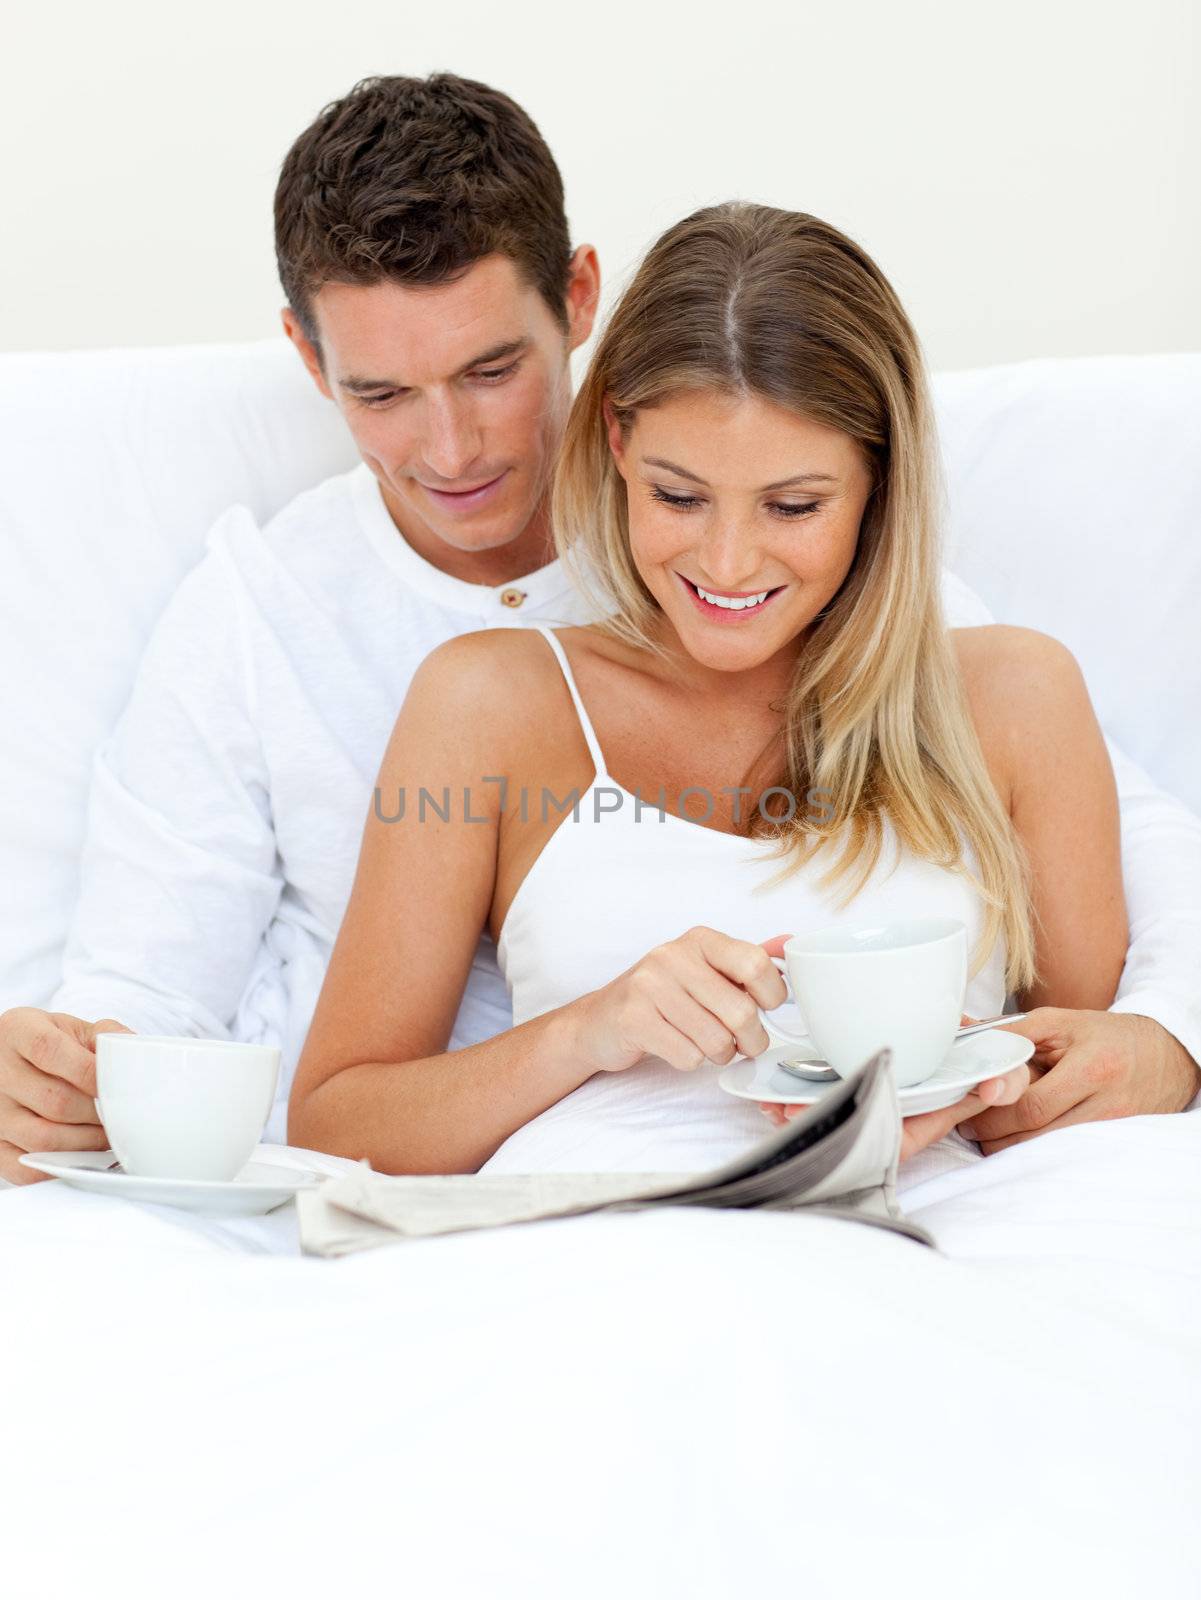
(1048,758)
(375,1079)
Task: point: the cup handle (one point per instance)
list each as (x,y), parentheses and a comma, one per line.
(767,1018)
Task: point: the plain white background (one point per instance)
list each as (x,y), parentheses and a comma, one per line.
(1026,173)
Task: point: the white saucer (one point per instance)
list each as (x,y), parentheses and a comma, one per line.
(968,1062)
(259,1187)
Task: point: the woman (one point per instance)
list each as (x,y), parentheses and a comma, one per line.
(748,479)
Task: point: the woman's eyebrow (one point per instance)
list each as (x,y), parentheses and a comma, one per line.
(784,483)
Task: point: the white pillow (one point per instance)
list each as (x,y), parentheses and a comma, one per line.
(113,465)
(1075,499)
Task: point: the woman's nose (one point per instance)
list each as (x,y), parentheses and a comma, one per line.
(730,558)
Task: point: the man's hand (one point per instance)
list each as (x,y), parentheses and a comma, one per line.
(1089,1065)
(47,1086)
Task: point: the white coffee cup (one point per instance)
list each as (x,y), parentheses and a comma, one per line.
(183,1108)
(896,984)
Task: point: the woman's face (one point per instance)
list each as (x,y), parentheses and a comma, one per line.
(744,520)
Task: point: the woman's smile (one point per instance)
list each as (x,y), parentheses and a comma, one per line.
(723,607)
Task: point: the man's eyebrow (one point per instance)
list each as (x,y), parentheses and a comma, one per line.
(784,483)
(497,352)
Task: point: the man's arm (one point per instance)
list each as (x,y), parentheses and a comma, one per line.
(1143,1055)
(1161,868)
(179,874)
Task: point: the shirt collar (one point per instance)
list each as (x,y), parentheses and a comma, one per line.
(476,599)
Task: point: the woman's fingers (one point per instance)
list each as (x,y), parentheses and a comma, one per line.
(694,999)
(747,965)
(777,1114)
(706,986)
(1011,1086)
(699,1025)
(918,1133)
(28,1131)
(659,1037)
(732,1008)
(11,1169)
(47,1096)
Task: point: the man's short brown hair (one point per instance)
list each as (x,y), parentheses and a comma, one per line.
(414,179)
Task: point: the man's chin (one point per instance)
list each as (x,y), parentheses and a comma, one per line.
(489,533)
(477,541)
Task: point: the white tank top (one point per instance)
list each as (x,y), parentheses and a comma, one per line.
(613,881)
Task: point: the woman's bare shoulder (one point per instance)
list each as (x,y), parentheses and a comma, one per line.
(486,671)
(481,694)
(484,650)
(1025,692)
(1001,664)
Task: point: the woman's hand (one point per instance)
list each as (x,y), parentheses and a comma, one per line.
(693,1000)
(919,1132)
(930,1126)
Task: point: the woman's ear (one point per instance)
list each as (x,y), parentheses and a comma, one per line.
(616,438)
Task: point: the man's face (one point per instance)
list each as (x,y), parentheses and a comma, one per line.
(456,395)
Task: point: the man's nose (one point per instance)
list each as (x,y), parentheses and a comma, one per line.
(452,440)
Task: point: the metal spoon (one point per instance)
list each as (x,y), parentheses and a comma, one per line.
(813,1069)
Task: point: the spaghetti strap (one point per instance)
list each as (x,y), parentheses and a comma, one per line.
(594,749)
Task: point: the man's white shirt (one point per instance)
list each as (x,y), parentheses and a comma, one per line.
(228,805)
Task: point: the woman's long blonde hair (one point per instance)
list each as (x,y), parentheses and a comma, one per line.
(747,299)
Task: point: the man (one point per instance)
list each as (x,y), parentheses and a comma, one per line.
(434,297)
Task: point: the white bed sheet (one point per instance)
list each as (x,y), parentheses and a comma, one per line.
(663,1404)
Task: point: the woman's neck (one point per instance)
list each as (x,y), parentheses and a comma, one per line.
(765,684)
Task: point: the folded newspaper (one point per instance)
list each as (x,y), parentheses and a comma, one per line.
(839,1157)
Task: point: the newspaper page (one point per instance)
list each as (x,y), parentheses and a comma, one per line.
(839,1156)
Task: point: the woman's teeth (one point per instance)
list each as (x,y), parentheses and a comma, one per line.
(729,602)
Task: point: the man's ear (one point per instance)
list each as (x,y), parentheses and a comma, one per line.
(306,349)
(583,294)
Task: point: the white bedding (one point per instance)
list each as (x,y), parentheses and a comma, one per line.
(662,1404)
